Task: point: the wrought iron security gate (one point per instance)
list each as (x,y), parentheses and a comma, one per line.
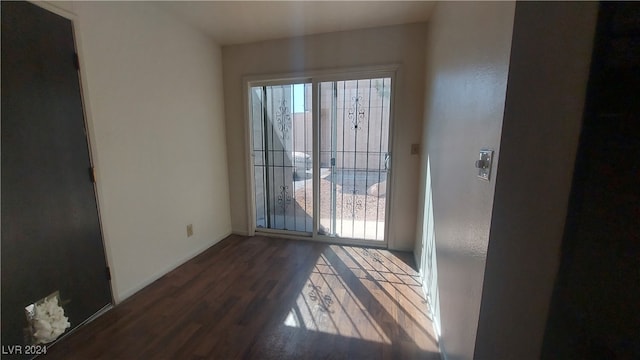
(348,193)
(354,147)
(282,150)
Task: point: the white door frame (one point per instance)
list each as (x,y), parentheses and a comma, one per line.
(316,77)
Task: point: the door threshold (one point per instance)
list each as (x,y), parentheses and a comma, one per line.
(325,239)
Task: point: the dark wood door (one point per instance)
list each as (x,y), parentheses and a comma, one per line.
(51,238)
(594,312)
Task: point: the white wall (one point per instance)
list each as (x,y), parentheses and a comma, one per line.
(153,92)
(402,45)
(467,59)
(549,70)
(497,243)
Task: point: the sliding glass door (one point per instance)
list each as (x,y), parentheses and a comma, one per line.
(342,191)
(354,152)
(282,156)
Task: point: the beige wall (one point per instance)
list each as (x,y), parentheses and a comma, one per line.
(153,92)
(550,58)
(467,66)
(497,243)
(402,45)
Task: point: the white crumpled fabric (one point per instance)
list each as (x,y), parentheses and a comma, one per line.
(49,321)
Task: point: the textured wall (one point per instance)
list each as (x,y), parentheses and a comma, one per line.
(467,66)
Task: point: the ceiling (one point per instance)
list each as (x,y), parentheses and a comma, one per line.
(235,22)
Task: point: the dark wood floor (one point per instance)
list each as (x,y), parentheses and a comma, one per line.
(267,298)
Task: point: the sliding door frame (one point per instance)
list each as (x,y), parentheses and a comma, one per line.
(315,78)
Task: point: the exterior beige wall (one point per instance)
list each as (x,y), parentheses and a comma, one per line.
(403,45)
(466,81)
(374,140)
(153,94)
(548,74)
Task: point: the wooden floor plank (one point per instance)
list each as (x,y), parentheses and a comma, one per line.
(266,298)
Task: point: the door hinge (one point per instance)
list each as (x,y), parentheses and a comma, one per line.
(92,174)
(333,161)
(108,273)
(76,61)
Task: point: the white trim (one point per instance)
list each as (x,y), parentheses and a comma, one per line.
(89,126)
(248,139)
(88,123)
(432,313)
(278,82)
(443,353)
(321,239)
(350,241)
(56,9)
(315,77)
(167,269)
(390,173)
(300,235)
(315,128)
(283,232)
(431,304)
(240,232)
(352,73)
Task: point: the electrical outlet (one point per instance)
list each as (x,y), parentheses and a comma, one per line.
(415,149)
(189,230)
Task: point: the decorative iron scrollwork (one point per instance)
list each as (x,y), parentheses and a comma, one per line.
(283,119)
(356,112)
(284,198)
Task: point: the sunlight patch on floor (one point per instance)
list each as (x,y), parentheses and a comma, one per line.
(327,305)
(353,292)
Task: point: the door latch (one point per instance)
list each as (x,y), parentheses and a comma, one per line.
(483,164)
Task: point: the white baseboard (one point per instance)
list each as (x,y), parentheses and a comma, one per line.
(240,232)
(432,316)
(118,298)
